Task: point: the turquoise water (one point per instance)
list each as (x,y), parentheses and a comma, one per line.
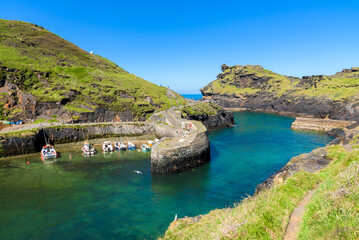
(102,198)
(193,96)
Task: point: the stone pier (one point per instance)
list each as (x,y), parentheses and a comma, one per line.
(180,149)
(319,124)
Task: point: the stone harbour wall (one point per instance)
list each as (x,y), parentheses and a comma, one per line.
(178,154)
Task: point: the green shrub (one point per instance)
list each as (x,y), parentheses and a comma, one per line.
(40,120)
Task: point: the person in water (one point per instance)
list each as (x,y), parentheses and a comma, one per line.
(70,156)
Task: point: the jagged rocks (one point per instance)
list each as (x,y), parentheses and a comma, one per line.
(224,118)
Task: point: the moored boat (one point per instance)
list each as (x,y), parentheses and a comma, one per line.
(48,152)
(120,146)
(131,146)
(88,149)
(107,146)
(145,148)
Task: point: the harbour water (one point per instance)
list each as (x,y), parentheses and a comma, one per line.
(103,198)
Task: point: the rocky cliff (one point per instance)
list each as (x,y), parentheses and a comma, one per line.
(257,89)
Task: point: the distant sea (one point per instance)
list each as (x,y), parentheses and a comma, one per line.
(193,96)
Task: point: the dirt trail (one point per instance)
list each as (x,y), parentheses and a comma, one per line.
(296,218)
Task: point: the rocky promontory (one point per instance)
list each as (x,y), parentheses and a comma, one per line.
(254,88)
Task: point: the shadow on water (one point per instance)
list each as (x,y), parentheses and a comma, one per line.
(7,164)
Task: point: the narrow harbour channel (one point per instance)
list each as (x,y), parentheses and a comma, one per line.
(102,198)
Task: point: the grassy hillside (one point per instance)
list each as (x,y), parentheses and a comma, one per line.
(333,212)
(50,68)
(241,81)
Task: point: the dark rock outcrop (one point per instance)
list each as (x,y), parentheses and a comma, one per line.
(311,162)
(224,118)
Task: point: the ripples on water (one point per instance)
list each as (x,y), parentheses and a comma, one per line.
(101,198)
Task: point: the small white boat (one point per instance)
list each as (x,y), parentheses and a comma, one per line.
(48,152)
(88,149)
(131,146)
(120,146)
(145,148)
(157,140)
(107,146)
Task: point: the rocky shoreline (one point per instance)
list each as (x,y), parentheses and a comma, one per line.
(290,106)
(342,130)
(318,102)
(313,161)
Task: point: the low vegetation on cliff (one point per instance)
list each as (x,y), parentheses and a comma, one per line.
(209,109)
(37,66)
(333,212)
(241,81)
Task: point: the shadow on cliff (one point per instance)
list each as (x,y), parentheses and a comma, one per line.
(40,140)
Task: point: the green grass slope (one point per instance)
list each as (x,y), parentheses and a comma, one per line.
(333,212)
(50,68)
(241,81)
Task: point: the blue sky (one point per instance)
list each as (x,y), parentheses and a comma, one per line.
(182,44)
